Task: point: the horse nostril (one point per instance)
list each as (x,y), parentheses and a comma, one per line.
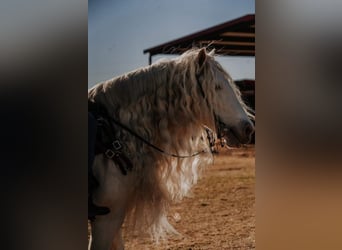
(248,129)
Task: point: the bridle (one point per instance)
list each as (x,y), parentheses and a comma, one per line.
(217,119)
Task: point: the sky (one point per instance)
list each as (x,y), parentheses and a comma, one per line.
(119,31)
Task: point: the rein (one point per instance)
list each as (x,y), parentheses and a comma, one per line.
(209,136)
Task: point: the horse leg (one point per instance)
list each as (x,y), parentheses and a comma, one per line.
(113,192)
(106,231)
(101,233)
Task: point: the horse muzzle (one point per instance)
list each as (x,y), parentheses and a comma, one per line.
(237,135)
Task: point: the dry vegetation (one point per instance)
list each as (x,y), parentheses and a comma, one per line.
(220,214)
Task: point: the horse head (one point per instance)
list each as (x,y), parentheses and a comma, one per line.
(231,113)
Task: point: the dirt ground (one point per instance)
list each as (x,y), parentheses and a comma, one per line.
(220,214)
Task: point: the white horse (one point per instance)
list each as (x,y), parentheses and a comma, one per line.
(170,105)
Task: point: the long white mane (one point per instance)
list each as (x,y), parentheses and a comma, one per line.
(163,104)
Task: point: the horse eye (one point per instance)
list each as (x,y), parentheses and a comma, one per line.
(218,87)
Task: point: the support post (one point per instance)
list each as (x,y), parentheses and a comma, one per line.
(149,59)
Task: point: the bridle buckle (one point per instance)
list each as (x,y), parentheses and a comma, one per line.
(116,145)
(109,153)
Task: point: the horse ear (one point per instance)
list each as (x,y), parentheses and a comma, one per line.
(201,58)
(212,52)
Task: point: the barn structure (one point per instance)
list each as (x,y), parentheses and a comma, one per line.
(233,38)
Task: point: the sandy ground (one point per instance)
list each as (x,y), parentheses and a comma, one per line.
(220,214)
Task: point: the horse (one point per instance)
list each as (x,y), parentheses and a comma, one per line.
(162,116)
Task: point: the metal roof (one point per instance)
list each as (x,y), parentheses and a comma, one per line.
(233,38)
